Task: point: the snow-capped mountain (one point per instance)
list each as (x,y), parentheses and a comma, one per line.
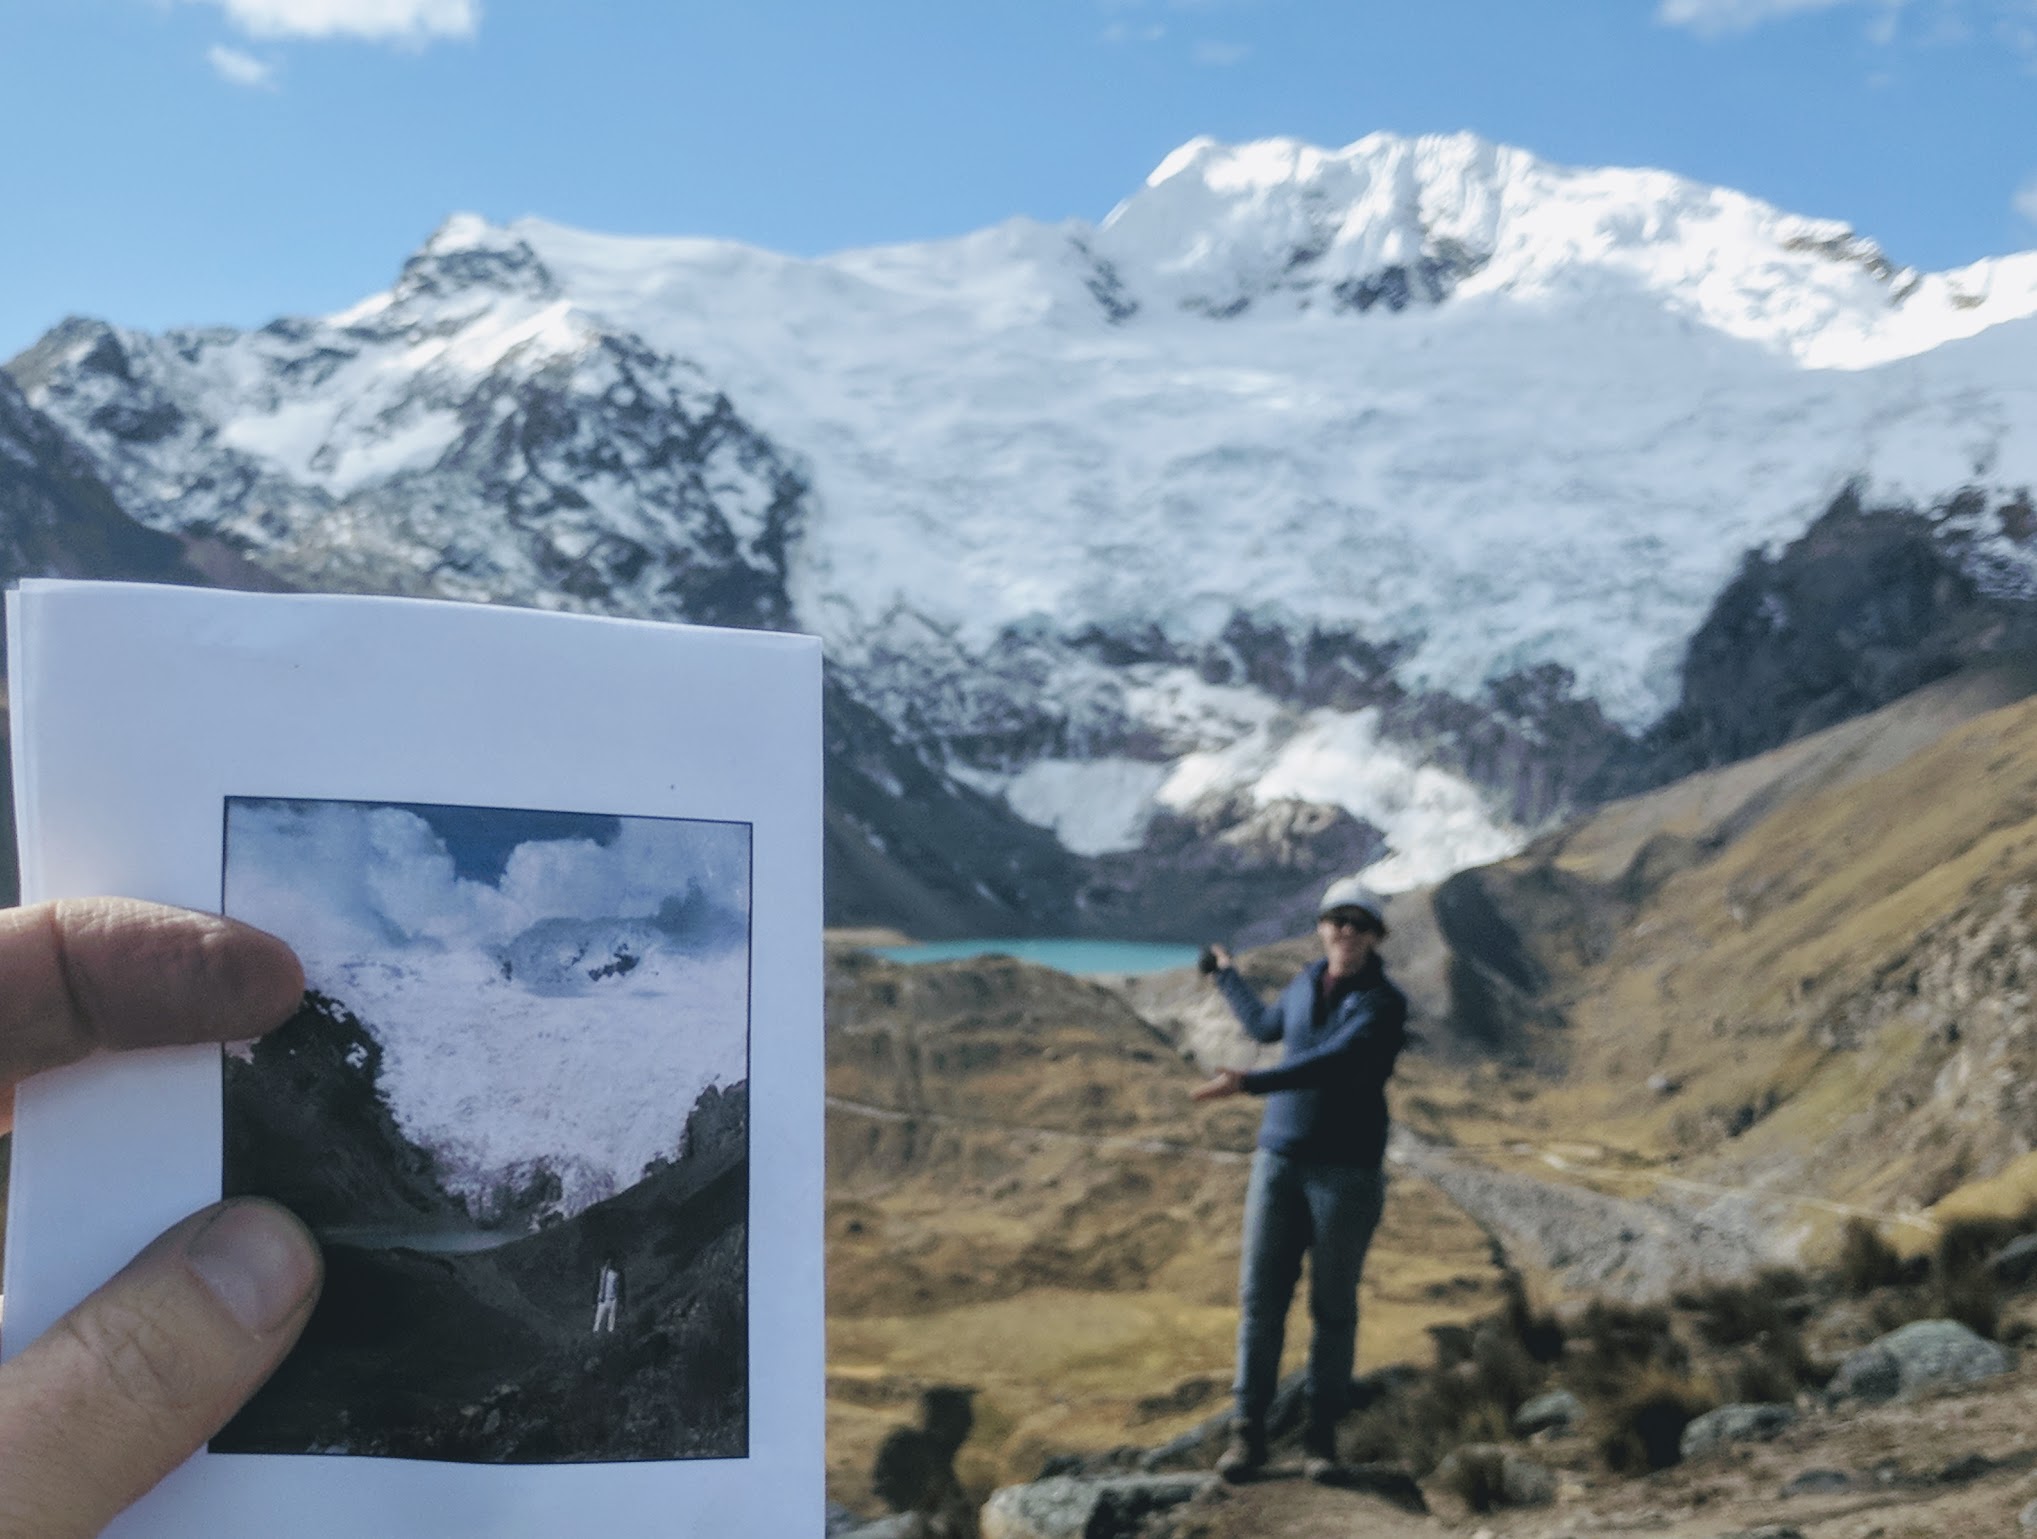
(1396,478)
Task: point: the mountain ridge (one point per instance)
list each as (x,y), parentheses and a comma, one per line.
(1105,558)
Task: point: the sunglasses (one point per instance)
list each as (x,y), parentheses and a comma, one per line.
(1350,919)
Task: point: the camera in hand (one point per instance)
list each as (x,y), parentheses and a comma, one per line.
(1207,962)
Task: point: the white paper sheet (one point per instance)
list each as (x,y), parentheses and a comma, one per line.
(139,711)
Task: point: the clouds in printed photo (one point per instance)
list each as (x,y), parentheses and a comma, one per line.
(351,880)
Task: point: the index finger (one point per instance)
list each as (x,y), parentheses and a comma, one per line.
(89,973)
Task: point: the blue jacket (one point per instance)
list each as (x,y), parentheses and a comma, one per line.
(1326,1099)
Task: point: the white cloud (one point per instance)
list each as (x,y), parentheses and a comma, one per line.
(399,21)
(2026,200)
(1128,32)
(1222,55)
(1929,23)
(242,69)
(1716,16)
(344,880)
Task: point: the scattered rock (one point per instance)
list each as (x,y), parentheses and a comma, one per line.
(1662,1084)
(1557,1411)
(1921,1355)
(2015,1264)
(1766,1531)
(1112,1507)
(1486,1476)
(1818,1483)
(1965,1470)
(1734,1424)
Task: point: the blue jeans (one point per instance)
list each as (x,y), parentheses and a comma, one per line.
(1330,1212)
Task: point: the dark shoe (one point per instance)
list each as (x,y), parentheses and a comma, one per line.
(1245,1456)
(1319,1456)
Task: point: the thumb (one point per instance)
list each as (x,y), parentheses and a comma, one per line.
(129,1384)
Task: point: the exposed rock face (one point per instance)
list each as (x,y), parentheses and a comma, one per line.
(1921,1355)
(1228,867)
(910,847)
(577,469)
(1867,605)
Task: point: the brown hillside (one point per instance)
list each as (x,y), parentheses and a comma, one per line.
(1822,958)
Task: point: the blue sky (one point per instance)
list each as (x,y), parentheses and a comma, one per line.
(187,161)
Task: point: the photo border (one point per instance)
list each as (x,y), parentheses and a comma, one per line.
(138,708)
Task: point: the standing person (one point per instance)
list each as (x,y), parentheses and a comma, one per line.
(1317,1185)
(607,1296)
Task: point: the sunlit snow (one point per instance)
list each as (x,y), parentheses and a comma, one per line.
(1468,405)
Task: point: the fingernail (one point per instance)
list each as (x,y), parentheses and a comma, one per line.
(258,1261)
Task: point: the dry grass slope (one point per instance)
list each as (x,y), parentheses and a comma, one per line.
(1822,958)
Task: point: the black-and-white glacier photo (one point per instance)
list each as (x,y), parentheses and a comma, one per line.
(514,1109)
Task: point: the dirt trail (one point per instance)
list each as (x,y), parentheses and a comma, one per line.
(1627,1247)
(1631,1248)
(1119,1141)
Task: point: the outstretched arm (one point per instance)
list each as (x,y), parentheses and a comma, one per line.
(1262,1022)
(1371,1033)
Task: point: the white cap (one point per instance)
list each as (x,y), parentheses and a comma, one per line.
(1349,892)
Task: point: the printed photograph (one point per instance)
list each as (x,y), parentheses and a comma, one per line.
(514,1109)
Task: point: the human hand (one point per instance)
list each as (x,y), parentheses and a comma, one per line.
(1225,1082)
(130,1383)
(1219,954)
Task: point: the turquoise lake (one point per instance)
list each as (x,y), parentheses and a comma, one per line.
(1069,956)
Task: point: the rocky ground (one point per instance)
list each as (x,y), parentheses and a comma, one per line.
(1962,1462)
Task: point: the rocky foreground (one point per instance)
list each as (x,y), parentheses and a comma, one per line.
(1929,1428)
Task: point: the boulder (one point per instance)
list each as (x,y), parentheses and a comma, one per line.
(2015,1264)
(1921,1355)
(1557,1411)
(1110,1507)
(1734,1424)
(1486,1475)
